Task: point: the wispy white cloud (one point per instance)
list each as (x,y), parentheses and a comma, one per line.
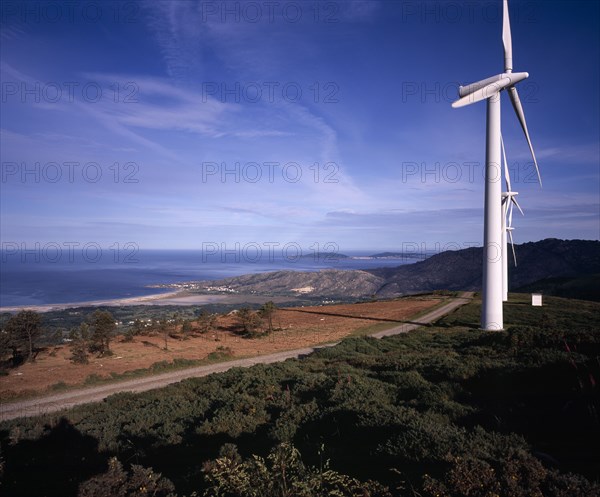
(11,32)
(178,30)
(243,48)
(573,155)
(161,105)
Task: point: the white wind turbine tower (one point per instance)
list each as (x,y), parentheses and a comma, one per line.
(489,89)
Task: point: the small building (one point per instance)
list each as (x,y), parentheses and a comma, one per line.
(536,299)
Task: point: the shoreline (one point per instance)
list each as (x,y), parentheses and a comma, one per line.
(176,297)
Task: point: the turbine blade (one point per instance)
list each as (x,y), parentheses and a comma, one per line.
(507,39)
(506,174)
(483,93)
(512,244)
(516,102)
(514,200)
(510,210)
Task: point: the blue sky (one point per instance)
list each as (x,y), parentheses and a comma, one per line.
(173,124)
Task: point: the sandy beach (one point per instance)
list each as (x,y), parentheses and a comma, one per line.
(170,298)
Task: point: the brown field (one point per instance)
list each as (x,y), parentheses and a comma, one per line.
(294,328)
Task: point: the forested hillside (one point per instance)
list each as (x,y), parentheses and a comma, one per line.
(447,410)
(462,269)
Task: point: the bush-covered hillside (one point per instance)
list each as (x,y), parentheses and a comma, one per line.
(448,410)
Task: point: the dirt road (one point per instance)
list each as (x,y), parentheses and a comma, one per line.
(428,318)
(66,400)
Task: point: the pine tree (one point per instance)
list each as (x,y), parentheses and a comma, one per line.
(249,319)
(79,351)
(22,330)
(206,321)
(104,326)
(267,311)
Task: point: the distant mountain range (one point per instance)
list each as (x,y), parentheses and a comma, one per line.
(382,255)
(462,269)
(549,266)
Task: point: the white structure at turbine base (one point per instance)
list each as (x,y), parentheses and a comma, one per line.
(495,263)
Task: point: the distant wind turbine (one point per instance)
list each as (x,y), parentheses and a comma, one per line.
(508,201)
(493,233)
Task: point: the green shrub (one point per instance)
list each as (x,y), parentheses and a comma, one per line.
(115,482)
(282,474)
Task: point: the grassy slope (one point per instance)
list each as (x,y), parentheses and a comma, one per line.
(584,287)
(415,403)
(518,311)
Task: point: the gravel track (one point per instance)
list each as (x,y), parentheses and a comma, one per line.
(60,401)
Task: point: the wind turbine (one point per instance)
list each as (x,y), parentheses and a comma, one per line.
(489,89)
(508,201)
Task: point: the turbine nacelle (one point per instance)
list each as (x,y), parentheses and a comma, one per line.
(511,196)
(486,88)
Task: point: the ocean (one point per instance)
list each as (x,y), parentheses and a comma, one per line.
(57,277)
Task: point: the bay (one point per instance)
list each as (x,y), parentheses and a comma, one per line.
(39,278)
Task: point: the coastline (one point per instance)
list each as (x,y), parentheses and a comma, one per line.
(176,297)
(182,296)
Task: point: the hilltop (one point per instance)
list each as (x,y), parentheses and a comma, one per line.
(450,270)
(462,269)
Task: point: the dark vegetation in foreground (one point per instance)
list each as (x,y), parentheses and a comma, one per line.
(443,411)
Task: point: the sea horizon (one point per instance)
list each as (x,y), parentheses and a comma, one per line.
(38,278)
